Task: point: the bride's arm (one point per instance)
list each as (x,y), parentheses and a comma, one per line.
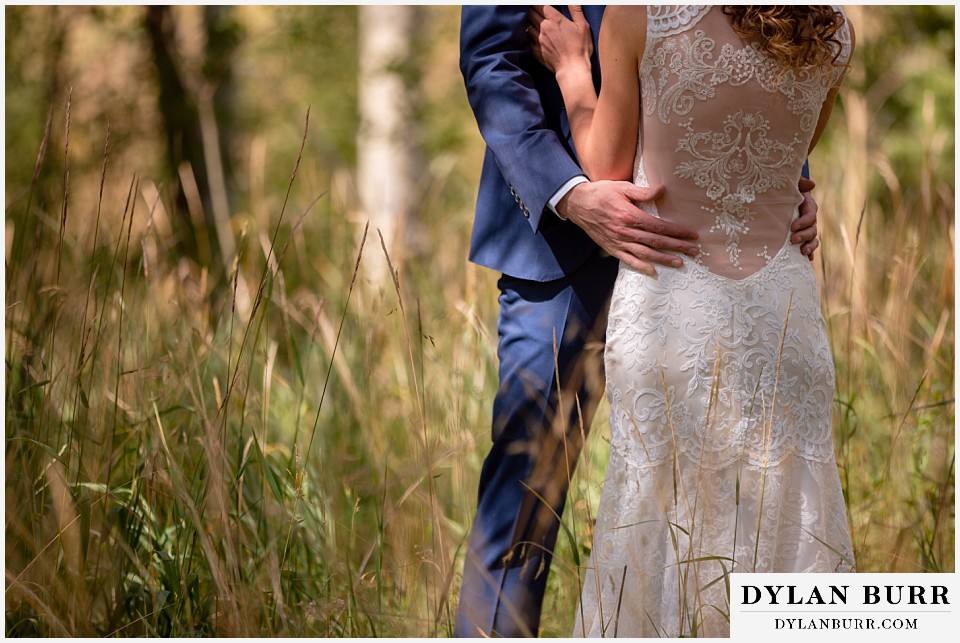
(604,128)
(832,95)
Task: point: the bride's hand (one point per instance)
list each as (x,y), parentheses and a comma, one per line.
(557,41)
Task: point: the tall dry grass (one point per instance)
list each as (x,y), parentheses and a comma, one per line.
(291,451)
(279,454)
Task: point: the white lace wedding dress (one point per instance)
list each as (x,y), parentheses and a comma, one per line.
(719,374)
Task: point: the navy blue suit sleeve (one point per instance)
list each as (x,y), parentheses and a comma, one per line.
(495,61)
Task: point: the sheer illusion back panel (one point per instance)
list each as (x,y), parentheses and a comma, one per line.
(726,130)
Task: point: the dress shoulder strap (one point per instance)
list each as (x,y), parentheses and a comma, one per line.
(843,35)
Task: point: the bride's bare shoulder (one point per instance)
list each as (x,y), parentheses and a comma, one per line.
(626,25)
(627,15)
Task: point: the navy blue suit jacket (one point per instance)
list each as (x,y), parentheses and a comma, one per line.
(529,156)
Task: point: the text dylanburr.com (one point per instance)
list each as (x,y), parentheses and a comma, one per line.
(847,607)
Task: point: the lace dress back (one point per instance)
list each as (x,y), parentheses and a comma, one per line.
(719,374)
(728,131)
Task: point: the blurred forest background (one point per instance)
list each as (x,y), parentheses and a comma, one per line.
(221,419)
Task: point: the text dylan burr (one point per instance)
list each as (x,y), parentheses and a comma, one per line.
(838,594)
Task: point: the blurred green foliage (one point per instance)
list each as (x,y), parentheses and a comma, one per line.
(905,53)
(288,59)
(299,57)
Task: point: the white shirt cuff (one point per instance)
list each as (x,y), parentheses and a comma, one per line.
(562,192)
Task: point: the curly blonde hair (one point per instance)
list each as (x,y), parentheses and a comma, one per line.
(797,36)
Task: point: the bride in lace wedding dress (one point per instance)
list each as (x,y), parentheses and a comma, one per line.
(719,374)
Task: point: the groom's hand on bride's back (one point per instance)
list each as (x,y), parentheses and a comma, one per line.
(803,230)
(608,211)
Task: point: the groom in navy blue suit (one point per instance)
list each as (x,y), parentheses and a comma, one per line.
(557,239)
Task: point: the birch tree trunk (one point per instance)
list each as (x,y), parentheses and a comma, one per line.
(385,160)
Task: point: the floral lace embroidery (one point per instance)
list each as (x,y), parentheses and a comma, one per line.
(666,19)
(679,71)
(697,75)
(721,445)
(744,153)
(727,335)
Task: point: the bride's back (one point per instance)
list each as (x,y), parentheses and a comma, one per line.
(726,130)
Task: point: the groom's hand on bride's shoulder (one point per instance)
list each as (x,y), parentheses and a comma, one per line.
(804,228)
(608,211)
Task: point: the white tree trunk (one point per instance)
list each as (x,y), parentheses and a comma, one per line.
(384,143)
